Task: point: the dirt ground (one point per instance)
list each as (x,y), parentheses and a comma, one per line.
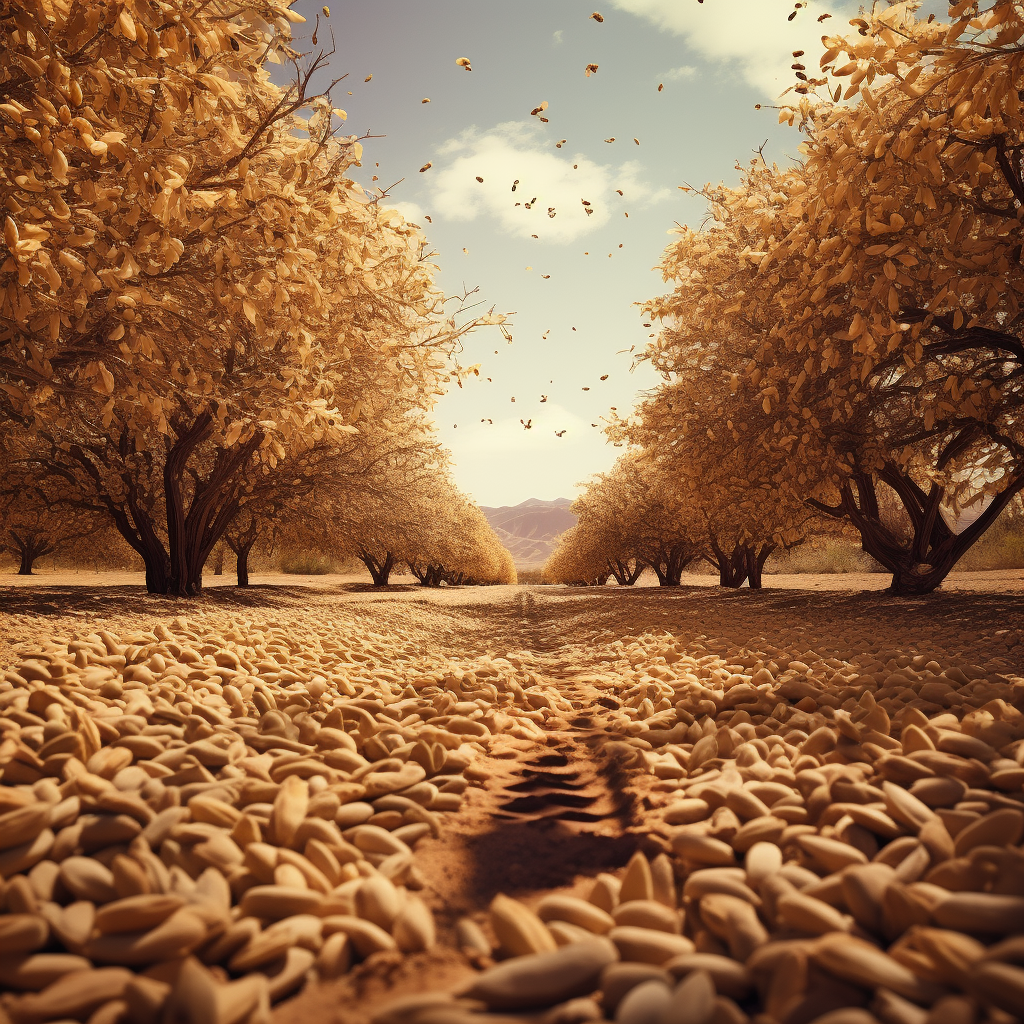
(550,814)
(840,614)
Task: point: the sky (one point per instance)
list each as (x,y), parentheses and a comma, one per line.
(571,282)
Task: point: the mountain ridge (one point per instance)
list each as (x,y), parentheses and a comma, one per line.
(529,530)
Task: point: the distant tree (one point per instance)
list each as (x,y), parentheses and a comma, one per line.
(388,500)
(36,516)
(458,545)
(637,516)
(578,560)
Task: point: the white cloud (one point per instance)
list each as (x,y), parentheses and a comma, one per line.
(548,179)
(753,37)
(557,37)
(679,74)
(412,212)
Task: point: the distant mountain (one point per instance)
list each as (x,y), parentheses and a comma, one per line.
(529,529)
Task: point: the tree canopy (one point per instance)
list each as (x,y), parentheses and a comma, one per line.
(196,291)
(850,325)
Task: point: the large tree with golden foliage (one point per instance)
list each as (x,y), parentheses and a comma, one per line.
(913,280)
(706,430)
(195,291)
(37,514)
(877,283)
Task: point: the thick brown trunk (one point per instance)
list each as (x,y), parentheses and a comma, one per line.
(920,566)
(156,572)
(242,564)
(625,575)
(668,566)
(379,570)
(620,572)
(192,533)
(755,564)
(30,547)
(732,568)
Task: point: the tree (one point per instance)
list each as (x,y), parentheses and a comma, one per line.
(241,537)
(638,516)
(195,289)
(36,519)
(878,281)
(457,545)
(705,429)
(912,288)
(578,560)
(388,500)
(366,501)
(838,419)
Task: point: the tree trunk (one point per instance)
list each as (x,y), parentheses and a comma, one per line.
(30,547)
(379,570)
(218,562)
(420,574)
(156,573)
(242,563)
(669,564)
(755,563)
(625,576)
(733,569)
(920,566)
(192,532)
(667,570)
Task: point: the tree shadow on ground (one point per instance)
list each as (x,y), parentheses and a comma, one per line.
(81,599)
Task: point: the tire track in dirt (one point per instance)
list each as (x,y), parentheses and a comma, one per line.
(550,809)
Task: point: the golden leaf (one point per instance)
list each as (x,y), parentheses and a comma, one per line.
(127,25)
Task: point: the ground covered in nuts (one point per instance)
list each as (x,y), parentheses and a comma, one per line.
(493,804)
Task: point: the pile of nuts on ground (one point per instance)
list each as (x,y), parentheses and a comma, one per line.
(191,828)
